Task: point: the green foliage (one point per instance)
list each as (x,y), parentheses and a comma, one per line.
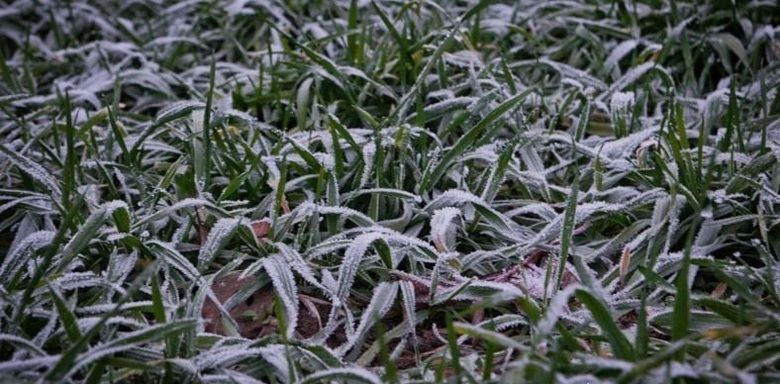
(384,191)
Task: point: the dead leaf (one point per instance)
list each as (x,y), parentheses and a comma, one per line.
(253,316)
(719,290)
(625,262)
(260,229)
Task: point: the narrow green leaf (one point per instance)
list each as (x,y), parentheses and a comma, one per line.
(467,140)
(66,316)
(621,347)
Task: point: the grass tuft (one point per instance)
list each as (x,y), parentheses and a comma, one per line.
(389,191)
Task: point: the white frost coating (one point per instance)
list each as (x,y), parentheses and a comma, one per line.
(275,355)
(273,171)
(344,213)
(572,82)
(352,257)
(633,74)
(21,253)
(369,151)
(605,363)
(464,58)
(457,197)
(91,194)
(218,236)
(286,289)
(571,72)
(381,301)
(577,379)
(75,280)
(224,356)
(328,281)
(619,52)
(582,213)
(409,306)
(440,94)
(387,191)
(181,108)
(185,203)
(198,117)
(442,231)
(449,104)
(485,334)
(41,202)
(85,323)
(228,376)
(504,322)
(391,236)
(117,345)
(533,278)
(621,102)
(503,291)
(673,218)
(486,153)
(341,374)
(34,170)
(113,205)
(44,333)
(27,364)
(620,148)
(177,260)
(296,262)
(30,347)
(557,307)
(326,160)
(675,369)
(310,250)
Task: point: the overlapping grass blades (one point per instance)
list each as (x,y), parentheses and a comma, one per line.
(253,191)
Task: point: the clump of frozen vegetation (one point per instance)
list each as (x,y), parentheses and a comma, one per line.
(389,191)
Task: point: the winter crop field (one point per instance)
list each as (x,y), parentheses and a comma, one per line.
(389,191)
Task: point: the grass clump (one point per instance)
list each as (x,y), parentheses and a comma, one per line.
(385,191)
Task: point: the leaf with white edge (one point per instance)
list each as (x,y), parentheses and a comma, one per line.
(220,234)
(487,335)
(349,265)
(33,169)
(284,283)
(381,301)
(180,205)
(129,340)
(349,374)
(409,302)
(556,308)
(87,232)
(19,255)
(621,347)
(442,229)
(464,142)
